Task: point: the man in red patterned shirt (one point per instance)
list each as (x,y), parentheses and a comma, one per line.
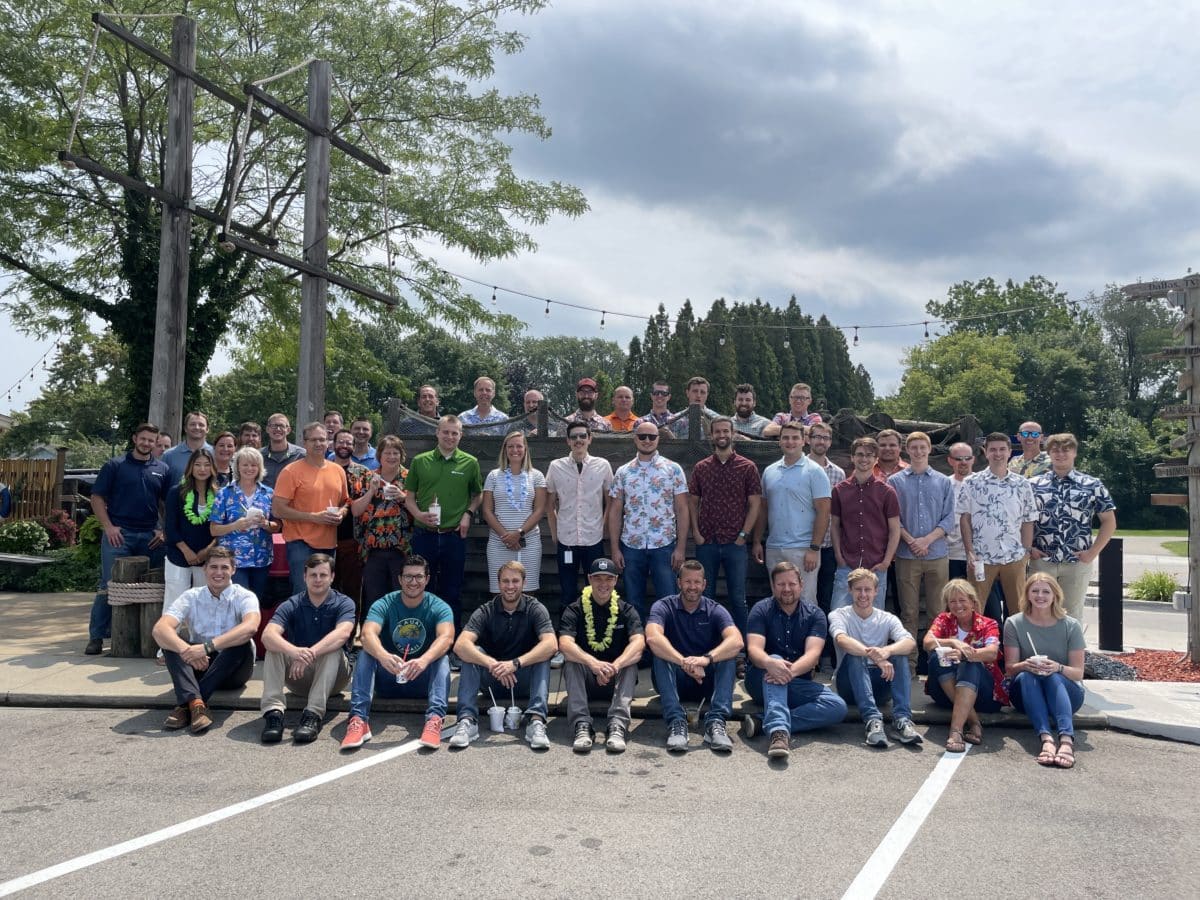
(866,521)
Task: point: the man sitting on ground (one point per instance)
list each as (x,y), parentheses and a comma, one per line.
(602,642)
(506,645)
(405,641)
(695,645)
(306,650)
(222,619)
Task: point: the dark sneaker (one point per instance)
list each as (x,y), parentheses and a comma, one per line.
(616,737)
(583,738)
(716,737)
(179,718)
(741,665)
(272,732)
(308,729)
(906,732)
(557,660)
(780,747)
(751,726)
(455,663)
(94,647)
(677,736)
(875,734)
(201,720)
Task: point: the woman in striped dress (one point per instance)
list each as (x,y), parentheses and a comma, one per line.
(514,501)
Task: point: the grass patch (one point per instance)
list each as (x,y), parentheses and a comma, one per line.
(1179,548)
(1151,532)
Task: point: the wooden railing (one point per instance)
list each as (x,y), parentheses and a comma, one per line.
(36,485)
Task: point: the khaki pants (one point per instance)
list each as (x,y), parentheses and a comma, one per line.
(1073,578)
(1012,582)
(911,575)
(328,675)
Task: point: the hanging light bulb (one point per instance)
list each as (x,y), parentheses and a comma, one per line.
(493,295)
(721,340)
(926,331)
(787,340)
(547,307)
(856,336)
(603,314)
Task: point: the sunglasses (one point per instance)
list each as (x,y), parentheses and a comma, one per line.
(578,437)
(962,458)
(660,393)
(1030,434)
(647,437)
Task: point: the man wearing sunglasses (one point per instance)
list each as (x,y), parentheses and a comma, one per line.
(577,488)
(660,415)
(1032,461)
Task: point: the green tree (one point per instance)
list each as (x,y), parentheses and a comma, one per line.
(985,307)
(1134,330)
(1121,452)
(407,72)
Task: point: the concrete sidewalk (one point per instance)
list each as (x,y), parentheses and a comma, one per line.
(42,664)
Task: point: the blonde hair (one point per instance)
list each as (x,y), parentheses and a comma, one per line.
(513,564)
(1058,608)
(502,459)
(861,574)
(959,586)
(251,453)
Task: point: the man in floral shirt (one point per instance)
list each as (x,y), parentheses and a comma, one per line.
(647,515)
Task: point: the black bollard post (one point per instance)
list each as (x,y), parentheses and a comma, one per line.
(1111,608)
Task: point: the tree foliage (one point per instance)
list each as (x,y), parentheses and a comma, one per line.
(407,75)
(1134,331)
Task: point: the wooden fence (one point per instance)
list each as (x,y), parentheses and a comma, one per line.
(36,485)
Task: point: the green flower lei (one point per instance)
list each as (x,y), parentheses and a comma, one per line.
(198,515)
(589,620)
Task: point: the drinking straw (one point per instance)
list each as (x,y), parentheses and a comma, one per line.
(494,703)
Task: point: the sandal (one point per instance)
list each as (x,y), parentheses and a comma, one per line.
(974,735)
(1047,756)
(1065,757)
(955,746)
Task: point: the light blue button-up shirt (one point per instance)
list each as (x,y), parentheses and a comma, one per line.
(926,503)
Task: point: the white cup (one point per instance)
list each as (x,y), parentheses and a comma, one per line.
(944,655)
(391,492)
(1038,660)
(512,718)
(979,573)
(496,718)
(402,675)
(333,510)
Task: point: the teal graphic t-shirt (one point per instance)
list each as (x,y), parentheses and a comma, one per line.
(402,627)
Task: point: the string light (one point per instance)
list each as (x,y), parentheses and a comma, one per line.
(721,340)
(855,335)
(603,314)
(493,295)
(926,331)
(547,309)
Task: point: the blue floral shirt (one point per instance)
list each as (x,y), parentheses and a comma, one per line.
(251,549)
(1066,507)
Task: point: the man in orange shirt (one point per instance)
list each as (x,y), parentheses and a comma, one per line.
(622,418)
(311,499)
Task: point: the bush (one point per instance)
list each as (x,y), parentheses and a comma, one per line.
(70,571)
(61,529)
(90,536)
(1154,586)
(23,537)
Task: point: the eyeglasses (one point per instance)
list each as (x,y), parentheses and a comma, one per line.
(578,437)
(1030,434)
(408,576)
(962,458)
(275,425)
(647,437)
(660,393)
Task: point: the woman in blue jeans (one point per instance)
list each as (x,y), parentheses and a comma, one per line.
(969,680)
(1043,654)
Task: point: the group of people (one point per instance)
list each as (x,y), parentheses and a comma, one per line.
(831,541)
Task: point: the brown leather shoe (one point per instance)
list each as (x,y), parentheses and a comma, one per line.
(178,718)
(780,746)
(201,720)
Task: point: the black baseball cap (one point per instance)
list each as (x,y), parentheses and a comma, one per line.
(603,566)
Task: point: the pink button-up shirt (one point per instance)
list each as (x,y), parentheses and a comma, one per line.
(580,498)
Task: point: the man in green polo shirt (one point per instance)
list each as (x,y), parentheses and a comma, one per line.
(446,478)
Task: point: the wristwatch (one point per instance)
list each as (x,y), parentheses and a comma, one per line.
(709,657)
(814,547)
(516,663)
(742,535)
(209,648)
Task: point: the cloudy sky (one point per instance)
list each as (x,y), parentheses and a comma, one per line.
(863,156)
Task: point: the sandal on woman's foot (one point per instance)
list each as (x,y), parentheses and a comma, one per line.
(1047,756)
(973,734)
(953,745)
(1065,757)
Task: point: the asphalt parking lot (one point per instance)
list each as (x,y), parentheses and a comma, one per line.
(499,820)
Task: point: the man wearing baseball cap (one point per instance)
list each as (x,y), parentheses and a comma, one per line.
(601,638)
(585,397)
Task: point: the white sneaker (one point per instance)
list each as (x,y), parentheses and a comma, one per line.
(535,734)
(616,738)
(465,732)
(583,738)
(557,660)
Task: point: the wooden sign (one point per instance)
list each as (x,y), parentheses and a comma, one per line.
(1146,289)
(1176,352)
(1184,324)
(1185,382)
(1180,411)
(1168,500)
(1176,471)
(1178,443)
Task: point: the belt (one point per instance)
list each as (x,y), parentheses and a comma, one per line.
(437,530)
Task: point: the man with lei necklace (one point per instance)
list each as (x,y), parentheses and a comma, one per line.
(601,639)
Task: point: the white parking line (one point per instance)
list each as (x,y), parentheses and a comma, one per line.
(172,831)
(879,867)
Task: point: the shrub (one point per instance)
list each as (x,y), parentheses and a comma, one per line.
(23,537)
(1155,586)
(61,529)
(88,548)
(67,573)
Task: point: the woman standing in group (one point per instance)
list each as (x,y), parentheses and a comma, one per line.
(969,680)
(1043,654)
(514,501)
(186,514)
(242,521)
(383,524)
(223,450)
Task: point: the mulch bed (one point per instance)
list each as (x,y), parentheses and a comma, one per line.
(1161,665)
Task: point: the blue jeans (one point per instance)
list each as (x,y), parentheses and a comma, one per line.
(447,556)
(370,678)
(532,682)
(674,685)
(568,572)
(639,563)
(298,553)
(1043,696)
(863,684)
(800,705)
(841,590)
(943,681)
(134,543)
(734,560)
(256,580)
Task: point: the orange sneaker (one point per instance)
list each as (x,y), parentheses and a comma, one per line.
(358,732)
(432,735)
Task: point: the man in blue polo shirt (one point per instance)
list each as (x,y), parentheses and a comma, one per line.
(695,645)
(195,436)
(126,498)
(306,650)
(784,643)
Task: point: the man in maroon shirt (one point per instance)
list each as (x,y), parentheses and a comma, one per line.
(725,493)
(866,521)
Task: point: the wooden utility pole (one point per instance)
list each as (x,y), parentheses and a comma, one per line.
(310,385)
(1185,293)
(170,332)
